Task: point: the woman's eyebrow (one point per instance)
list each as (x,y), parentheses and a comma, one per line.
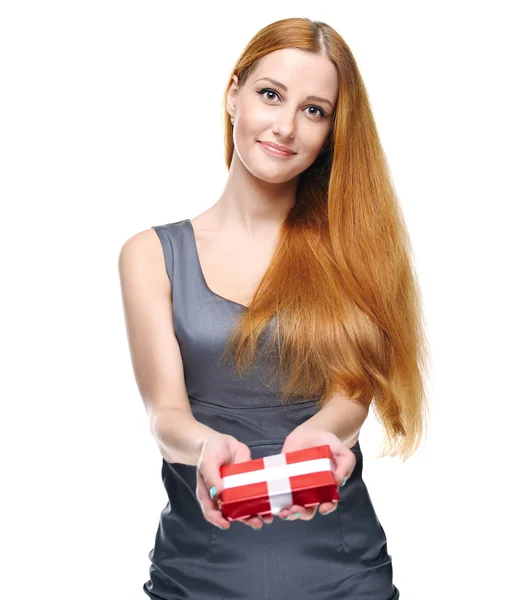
(281,85)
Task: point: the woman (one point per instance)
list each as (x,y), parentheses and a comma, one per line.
(301,274)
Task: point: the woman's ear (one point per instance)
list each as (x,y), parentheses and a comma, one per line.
(231,96)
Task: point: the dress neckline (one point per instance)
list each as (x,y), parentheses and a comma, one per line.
(200,270)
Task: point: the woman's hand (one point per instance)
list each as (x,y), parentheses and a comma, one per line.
(343,459)
(217,451)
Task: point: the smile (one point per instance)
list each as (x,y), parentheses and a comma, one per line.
(273,152)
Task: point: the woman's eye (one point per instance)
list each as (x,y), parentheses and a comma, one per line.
(322,115)
(265,91)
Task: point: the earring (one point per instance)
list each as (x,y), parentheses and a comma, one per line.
(232,119)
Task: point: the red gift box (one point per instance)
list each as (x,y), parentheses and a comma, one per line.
(267,485)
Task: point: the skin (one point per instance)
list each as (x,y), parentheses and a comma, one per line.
(261,189)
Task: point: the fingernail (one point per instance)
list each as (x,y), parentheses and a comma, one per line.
(328,512)
(221,528)
(256,528)
(345,479)
(213,491)
(292,515)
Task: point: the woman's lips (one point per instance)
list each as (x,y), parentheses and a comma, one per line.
(274,151)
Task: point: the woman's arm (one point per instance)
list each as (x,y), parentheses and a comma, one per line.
(179,435)
(340,416)
(155,351)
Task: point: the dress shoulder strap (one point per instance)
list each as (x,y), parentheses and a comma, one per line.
(178,257)
(165,235)
(189,290)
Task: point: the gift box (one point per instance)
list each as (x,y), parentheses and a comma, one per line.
(266,485)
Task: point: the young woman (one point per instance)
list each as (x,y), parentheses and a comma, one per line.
(300,273)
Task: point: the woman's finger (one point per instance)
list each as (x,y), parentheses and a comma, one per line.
(304,513)
(327,507)
(210,508)
(345,461)
(255,522)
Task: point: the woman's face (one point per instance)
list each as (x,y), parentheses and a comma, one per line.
(279,111)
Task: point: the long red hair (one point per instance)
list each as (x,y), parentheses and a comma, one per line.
(341,284)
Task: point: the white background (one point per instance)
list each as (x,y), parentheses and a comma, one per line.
(111,122)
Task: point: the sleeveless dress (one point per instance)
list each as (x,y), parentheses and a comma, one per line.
(342,555)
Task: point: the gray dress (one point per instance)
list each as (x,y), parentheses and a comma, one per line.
(338,556)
